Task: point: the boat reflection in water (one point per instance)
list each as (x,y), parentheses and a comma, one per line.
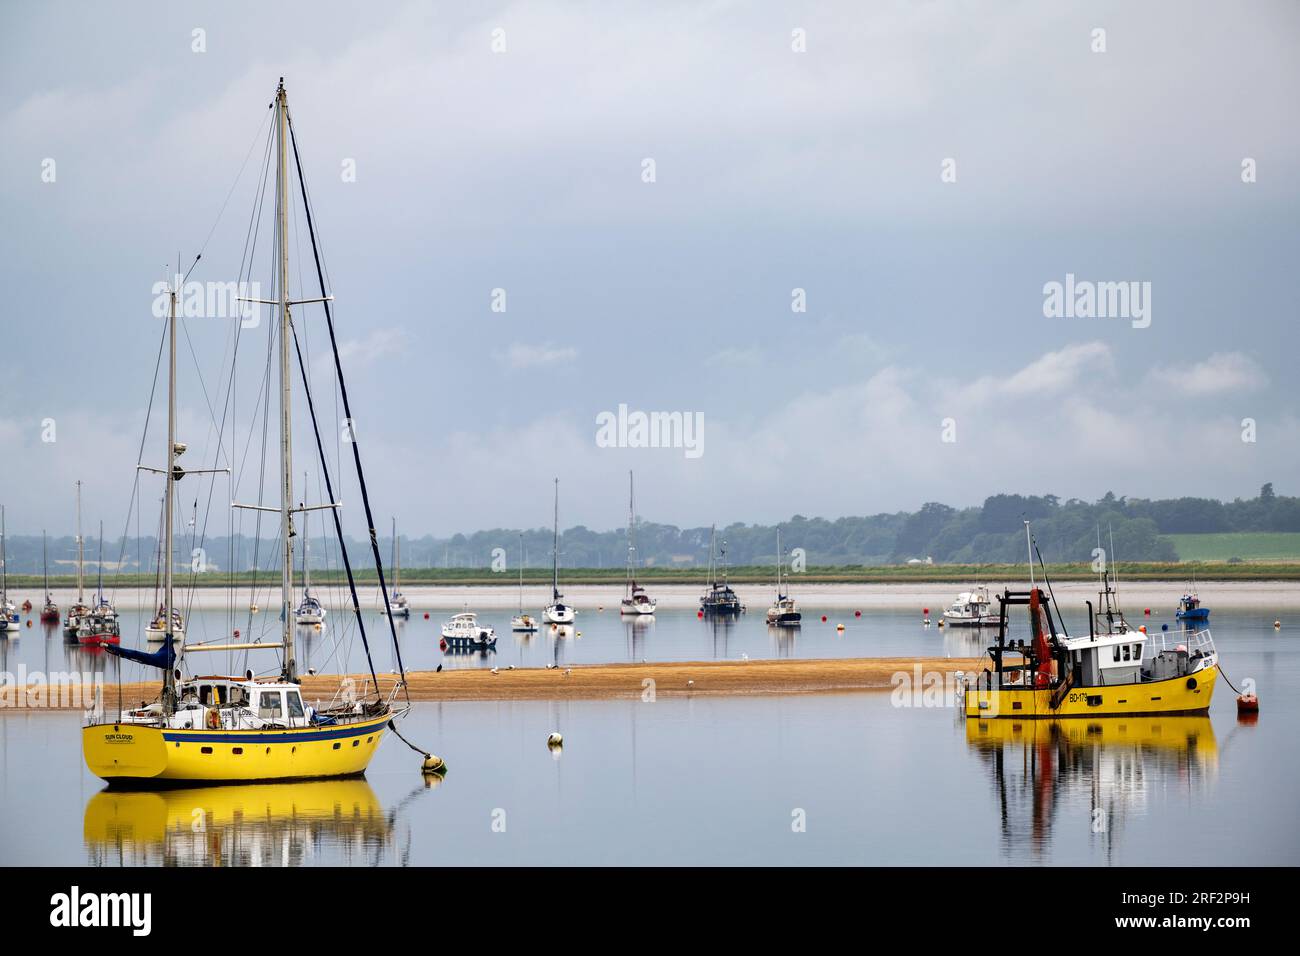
(279,824)
(1109,767)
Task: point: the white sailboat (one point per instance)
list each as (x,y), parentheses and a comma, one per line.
(784,612)
(635,599)
(522,623)
(157,628)
(310,611)
(101,625)
(8,610)
(397,603)
(557,612)
(78,609)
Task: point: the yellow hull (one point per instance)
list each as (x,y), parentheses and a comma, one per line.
(129,753)
(1176,734)
(1177,695)
(266,824)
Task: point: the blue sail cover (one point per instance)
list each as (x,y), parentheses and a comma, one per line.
(163,658)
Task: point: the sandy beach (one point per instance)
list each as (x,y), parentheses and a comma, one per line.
(590,682)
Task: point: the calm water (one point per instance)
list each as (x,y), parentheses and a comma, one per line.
(715,780)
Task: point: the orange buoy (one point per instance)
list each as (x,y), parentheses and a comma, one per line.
(1143,628)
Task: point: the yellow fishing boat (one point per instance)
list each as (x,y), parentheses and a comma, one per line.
(219,729)
(1114,671)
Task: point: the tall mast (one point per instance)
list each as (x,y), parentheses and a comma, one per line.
(286,421)
(555,546)
(45,565)
(521,572)
(306,543)
(631,523)
(81,552)
(169,531)
(4,560)
(99,582)
(778,561)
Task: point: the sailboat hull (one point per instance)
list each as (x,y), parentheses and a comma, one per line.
(130,754)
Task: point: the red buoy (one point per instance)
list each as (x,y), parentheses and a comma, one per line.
(857,614)
(1146,611)
(823,618)
(236,633)
(699,614)
(1248,704)
(426,615)
(925,610)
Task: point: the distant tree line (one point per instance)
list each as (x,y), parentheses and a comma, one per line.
(1066,531)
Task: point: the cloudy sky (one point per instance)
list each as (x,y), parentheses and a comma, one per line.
(479,168)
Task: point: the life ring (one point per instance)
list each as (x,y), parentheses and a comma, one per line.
(214,720)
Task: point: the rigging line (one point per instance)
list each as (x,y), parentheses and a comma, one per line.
(347,412)
(139,458)
(221,212)
(338,521)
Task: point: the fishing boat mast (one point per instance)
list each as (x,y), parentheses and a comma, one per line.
(521,572)
(4,561)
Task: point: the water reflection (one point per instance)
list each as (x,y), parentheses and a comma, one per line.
(1098,774)
(284,824)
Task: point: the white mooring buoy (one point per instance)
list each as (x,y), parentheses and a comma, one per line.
(433,764)
(555,740)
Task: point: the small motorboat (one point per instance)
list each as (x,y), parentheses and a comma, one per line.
(464,633)
(1190,608)
(971,609)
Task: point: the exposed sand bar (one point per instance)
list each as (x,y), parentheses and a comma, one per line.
(1160,596)
(590,682)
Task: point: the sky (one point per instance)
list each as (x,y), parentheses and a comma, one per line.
(921,171)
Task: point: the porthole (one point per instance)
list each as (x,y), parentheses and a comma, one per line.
(205,750)
(236,750)
(337,745)
(356,743)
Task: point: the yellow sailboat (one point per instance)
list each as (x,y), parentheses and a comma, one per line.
(211,729)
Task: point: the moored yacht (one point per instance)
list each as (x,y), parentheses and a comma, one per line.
(211,729)
(557,612)
(784,612)
(157,628)
(635,599)
(522,623)
(971,609)
(310,611)
(78,608)
(8,610)
(398,606)
(464,633)
(100,625)
(718,597)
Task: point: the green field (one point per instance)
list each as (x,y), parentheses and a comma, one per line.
(1243,545)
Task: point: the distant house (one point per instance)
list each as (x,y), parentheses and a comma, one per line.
(928,560)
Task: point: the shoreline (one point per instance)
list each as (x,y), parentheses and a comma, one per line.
(584,682)
(1161,596)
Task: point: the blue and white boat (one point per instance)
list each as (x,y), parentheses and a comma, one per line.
(1190,609)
